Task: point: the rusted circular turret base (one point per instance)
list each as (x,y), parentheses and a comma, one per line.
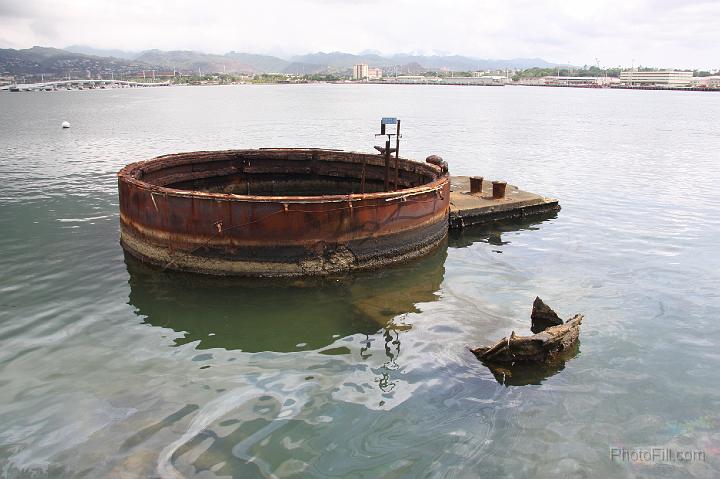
(280,212)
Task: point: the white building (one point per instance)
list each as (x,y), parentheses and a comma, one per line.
(360,71)
(673,78)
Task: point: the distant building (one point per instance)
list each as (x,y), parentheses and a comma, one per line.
(707,82)
(360,71)
(577,81)
(475,80)
(374,73)
(413,79)
(673,78)
(445,80)
(552,80)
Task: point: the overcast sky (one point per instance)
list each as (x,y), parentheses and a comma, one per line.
(670,33)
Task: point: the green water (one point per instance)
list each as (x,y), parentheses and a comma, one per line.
(109,368)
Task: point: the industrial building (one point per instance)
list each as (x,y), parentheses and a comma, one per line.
(412,79)
(669,78)
(587,82)
(578,81)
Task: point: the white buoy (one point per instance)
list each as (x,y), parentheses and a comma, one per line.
(65,124)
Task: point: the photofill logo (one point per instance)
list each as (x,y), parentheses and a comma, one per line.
(655,455)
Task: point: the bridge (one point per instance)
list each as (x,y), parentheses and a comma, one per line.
(78,84)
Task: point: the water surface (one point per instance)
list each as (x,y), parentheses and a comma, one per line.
(108,367)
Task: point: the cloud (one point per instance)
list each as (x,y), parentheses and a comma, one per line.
(44,29)
(16,9)
(652,32)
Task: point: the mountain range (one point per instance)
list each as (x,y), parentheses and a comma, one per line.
(82,60)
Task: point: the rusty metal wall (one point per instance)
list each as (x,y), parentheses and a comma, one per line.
(275,236)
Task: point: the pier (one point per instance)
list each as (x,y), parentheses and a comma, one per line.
(474,201)
(78,84)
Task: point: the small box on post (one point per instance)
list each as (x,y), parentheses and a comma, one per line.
(387,150)
(386,120)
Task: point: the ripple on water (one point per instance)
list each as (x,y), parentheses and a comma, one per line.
(109,368)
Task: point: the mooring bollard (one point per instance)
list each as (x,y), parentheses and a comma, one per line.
(499,189)
(476,185)
(438,161)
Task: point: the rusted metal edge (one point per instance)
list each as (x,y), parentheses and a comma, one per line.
(127,175)
(344,261)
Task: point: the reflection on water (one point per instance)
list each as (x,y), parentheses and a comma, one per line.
(254,315)
(527,372)
(492,233)
(521,373)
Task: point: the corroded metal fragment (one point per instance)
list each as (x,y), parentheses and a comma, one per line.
(542,316)
(538,347)
(550,341)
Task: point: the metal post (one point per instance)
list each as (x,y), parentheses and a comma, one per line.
(397,155)
(499,189)
(362,178)
(387,165)
(476,185)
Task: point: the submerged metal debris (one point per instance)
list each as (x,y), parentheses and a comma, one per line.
(543,317)
(553,343)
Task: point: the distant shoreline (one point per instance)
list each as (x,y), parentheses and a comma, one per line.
(31,88)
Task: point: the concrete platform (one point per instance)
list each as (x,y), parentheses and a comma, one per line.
(471,209)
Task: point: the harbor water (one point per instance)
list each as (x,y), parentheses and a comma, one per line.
(111,368)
